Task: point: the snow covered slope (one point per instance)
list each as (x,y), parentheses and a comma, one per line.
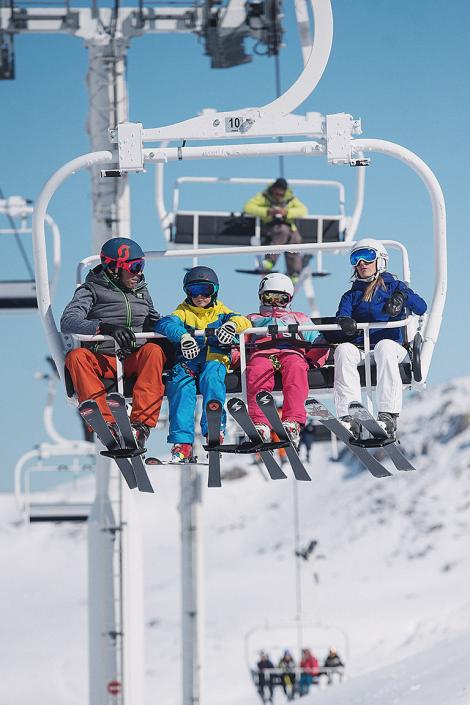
(387,582)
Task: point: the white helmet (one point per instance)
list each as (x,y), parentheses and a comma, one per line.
(276,282)
(381,254)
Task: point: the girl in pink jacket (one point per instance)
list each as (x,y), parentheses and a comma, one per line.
(292,361)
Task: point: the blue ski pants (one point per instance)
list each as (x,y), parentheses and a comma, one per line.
(181,393)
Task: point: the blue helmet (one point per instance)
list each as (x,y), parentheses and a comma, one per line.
(115,252)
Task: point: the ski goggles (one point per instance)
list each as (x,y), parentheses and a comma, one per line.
(134,266)
(275,298)
(201,289)
(366,254)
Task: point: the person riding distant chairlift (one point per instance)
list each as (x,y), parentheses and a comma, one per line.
(310,670)
(114,301)
(265,681)
(287,665)
(375,295)
(275,293)
(278,209)
(205,359)
(334,665)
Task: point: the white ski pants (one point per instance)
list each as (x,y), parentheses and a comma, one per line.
(347,387)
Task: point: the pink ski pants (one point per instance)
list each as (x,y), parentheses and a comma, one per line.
(260,376)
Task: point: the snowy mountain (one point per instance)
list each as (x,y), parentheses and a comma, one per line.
(386,582)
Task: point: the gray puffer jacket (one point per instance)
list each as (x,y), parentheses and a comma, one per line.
(99,300)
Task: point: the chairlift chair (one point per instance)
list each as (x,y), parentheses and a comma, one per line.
(19,295)
(334,136)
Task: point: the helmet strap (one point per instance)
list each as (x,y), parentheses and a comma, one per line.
(365,279)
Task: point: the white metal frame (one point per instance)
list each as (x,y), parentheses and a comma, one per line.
(16,208)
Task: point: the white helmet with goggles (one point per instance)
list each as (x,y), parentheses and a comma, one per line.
(370,250)
(273,284)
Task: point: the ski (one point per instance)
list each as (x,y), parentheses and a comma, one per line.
(237,409)
(91,414)
(319,412)
(266,403)
(117,404)
(214,417)
(390,445)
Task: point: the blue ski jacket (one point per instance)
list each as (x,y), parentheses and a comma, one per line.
(352,305)
(187,318)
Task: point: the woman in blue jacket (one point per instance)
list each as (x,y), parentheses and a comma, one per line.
(374,296)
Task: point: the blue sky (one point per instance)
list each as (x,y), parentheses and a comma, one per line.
(402,67)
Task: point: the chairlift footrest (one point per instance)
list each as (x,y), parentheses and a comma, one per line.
(321,274)
(123,452)
(371,442)
(247,447)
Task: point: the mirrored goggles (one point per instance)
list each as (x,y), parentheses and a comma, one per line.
(366,254)
(200,289)
(275,298)
(134,266)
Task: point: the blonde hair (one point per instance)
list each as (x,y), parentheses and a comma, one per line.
(372,288)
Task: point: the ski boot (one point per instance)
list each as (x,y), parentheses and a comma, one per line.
(353,426)
(388,421)
(264,431)
(114,428)
(267,265)
(141,432)
(293,431)
(182,453)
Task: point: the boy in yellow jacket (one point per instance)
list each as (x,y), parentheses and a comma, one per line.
(278,209)
(206,360)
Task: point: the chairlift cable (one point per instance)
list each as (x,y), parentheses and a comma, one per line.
(277,70)
(18,240)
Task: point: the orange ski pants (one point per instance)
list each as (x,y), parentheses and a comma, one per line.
(87,368)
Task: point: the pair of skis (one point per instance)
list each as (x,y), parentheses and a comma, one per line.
(379,439)
(125,450)
(237,409)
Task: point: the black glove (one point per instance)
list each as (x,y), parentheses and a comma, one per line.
(348,325)
(123,336)
(394,306)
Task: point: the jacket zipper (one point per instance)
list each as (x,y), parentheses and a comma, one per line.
(128,308)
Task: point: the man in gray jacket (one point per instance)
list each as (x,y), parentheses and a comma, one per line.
(114,301)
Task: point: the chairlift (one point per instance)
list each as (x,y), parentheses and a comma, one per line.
(19,295)
(58,457)
(333,136)
(198,228)
(273,638)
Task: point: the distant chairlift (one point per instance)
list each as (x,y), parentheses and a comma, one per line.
(198,228)
(19,295)
(54,458)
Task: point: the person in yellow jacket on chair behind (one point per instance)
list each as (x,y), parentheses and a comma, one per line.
(205,360)
(278,209)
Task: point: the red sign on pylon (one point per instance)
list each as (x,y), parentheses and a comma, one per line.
(114,687)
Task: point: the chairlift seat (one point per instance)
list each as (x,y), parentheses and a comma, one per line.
(56,512)
(18,295)
(238,229)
